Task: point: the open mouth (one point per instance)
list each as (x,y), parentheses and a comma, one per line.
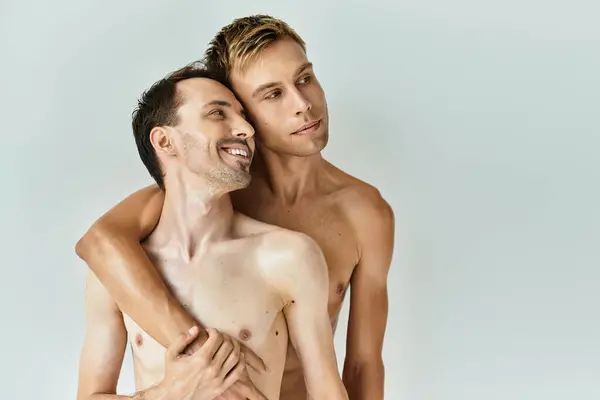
(238,152)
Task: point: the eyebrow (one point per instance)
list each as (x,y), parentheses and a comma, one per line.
(303,67)
(217,103)
(269,85)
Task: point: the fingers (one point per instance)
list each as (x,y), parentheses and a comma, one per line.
(224,351)
(212,344)
(233,358)
(194,346)
(235,374)
(254,361)
(197,343)
(181,343)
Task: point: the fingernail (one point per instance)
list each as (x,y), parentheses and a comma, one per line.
(193,330)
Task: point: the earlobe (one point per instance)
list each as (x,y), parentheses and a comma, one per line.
(161,141)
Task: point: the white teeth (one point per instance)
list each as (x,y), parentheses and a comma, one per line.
(237,152)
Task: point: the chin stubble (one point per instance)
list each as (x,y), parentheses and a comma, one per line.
(228,177)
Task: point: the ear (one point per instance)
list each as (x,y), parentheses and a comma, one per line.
(162,141)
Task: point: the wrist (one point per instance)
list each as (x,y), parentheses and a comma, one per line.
(179,321)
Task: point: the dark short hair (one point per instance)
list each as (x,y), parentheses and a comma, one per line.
(158,107)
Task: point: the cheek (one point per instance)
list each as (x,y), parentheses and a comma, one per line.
(316,95)
(270,126)
(194,150)
(264,118)
(188,144)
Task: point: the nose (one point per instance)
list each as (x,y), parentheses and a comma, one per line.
(243,129)
(302,104)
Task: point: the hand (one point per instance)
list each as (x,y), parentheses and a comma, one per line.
(205,374)
(252,360)
(242,389)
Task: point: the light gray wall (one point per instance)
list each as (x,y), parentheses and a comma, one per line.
(477,120)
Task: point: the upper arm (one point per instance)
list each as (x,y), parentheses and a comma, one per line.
(374,222)
(136,216)
(112,250)
(303,282)
(104,344)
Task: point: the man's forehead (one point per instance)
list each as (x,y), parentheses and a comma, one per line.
(204,90)
(280,59)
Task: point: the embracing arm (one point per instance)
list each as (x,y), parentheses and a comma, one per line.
(112,250)
(304,285)
(363,367)
(104,348)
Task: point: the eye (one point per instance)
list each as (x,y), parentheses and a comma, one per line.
(305,80)
(273,95)
(217,112)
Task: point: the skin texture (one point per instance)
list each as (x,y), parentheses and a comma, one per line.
(270,284)
(292,187)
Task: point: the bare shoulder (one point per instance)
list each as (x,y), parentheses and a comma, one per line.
(360,201)
(373,222)
(290,256)
(290,245)
(293,263)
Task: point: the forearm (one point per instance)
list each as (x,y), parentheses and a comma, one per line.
(323,380)
(364,381)
(134,283)
(330,389)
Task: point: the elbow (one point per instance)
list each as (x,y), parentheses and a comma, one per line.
(81,248)
(364,378)
(354,367)
(94,237)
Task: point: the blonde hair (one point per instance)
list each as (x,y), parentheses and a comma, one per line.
(240,42)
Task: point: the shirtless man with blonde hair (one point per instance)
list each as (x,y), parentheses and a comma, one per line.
(259,284)
(292,187)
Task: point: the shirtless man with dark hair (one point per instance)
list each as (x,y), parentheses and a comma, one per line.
(258,284)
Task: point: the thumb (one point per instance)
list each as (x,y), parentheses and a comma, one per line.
(182,341)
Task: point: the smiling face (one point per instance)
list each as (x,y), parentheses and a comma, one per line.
(212,139)
(284,99)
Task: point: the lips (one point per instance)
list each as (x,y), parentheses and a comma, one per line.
(308,128)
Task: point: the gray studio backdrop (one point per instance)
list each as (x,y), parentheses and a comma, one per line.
(477,120)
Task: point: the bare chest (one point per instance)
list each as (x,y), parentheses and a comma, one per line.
(325,224)
(224,290)
(228,293)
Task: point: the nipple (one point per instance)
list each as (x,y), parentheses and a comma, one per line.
(245,334)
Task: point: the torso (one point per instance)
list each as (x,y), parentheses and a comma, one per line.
(249,309)
(326,218)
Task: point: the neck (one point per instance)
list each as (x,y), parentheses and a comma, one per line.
(193,217)
(290,177)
